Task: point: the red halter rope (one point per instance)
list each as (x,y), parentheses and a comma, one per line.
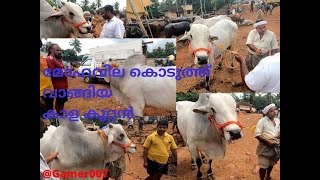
(63,19)
(193,51)
(220,126)
(124,146)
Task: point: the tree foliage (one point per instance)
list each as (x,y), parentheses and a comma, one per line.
(161,53)
(258,100)
(191,96)
(69,55)
(98,2)
(76,45)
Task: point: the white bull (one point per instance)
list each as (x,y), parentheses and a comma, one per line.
(208,125)
(69,19)
(83,150)
(206,44)
(211,21)
(158,92)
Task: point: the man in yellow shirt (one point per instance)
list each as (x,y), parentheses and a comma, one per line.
(156,151)
(46,103)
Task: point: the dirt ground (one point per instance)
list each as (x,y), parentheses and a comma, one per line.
(223,78)
(135,169)
(240,161)
(83,105)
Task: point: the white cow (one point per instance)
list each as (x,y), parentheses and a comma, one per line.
(211,21)
(158,92)
(69,19)
(208,125)
(206,44)
(83,150)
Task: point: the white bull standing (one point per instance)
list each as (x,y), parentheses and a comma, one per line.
(208,125)
(207,44)
(158,92)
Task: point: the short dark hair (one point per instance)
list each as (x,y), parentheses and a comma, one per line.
(163,122)
(108,8)
(50,46)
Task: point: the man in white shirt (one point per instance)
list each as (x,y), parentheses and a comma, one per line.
(268,133)
(260,42)
(265,77)
(130,124)
(113,28)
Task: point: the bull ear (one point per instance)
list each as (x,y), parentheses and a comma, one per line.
(54,16)
(202,110)
(110,138)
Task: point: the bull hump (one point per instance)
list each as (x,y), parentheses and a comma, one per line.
(135,59)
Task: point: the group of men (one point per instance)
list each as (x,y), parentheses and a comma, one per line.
(260,69)
(113,28)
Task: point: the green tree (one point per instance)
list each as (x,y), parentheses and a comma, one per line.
(52,2)
(85,5)
(98,2)
(69,55)
(116,6)
(190,96)
(169,49)
(76,45)
(93,7)
(44,47)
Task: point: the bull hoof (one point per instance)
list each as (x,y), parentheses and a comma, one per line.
(211,177)
(205,161)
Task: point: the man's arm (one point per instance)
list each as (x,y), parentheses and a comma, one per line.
(265,141)
(254,49)
(145,157)
(274,45)
(174,153)
(243,68)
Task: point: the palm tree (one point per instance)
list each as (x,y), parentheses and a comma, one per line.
(76,45)
(98,2)
(116,6)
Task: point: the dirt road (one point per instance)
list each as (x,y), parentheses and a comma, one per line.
(223,78)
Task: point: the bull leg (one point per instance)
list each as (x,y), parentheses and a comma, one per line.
(193,165)
(195,156)
(199,163)
(203,157)
(207,83)
(209,172)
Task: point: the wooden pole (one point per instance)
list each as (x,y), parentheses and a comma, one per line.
(138,18)
(201,8)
